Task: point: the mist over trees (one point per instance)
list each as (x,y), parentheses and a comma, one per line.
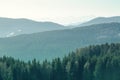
(96,62)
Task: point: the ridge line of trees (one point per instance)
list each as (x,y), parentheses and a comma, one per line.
(96,62)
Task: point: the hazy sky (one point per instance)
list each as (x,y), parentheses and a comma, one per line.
(60,11)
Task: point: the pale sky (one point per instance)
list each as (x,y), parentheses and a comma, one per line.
(60,11)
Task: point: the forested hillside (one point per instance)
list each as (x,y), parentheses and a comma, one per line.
(51,44)
(100,62)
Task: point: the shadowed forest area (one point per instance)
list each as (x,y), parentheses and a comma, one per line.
(96,62)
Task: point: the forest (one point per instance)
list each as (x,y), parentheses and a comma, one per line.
(95,62)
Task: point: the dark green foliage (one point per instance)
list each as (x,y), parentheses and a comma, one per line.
(100,62)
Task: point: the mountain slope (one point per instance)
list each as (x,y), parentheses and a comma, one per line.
(11,27)
(100,20)
(51,44)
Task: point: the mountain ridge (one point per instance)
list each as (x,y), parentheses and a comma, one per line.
(42,45)
(100,20)
(11,27)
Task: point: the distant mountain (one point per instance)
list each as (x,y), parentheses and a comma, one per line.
(12,27)
(100,20)
(51,44)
